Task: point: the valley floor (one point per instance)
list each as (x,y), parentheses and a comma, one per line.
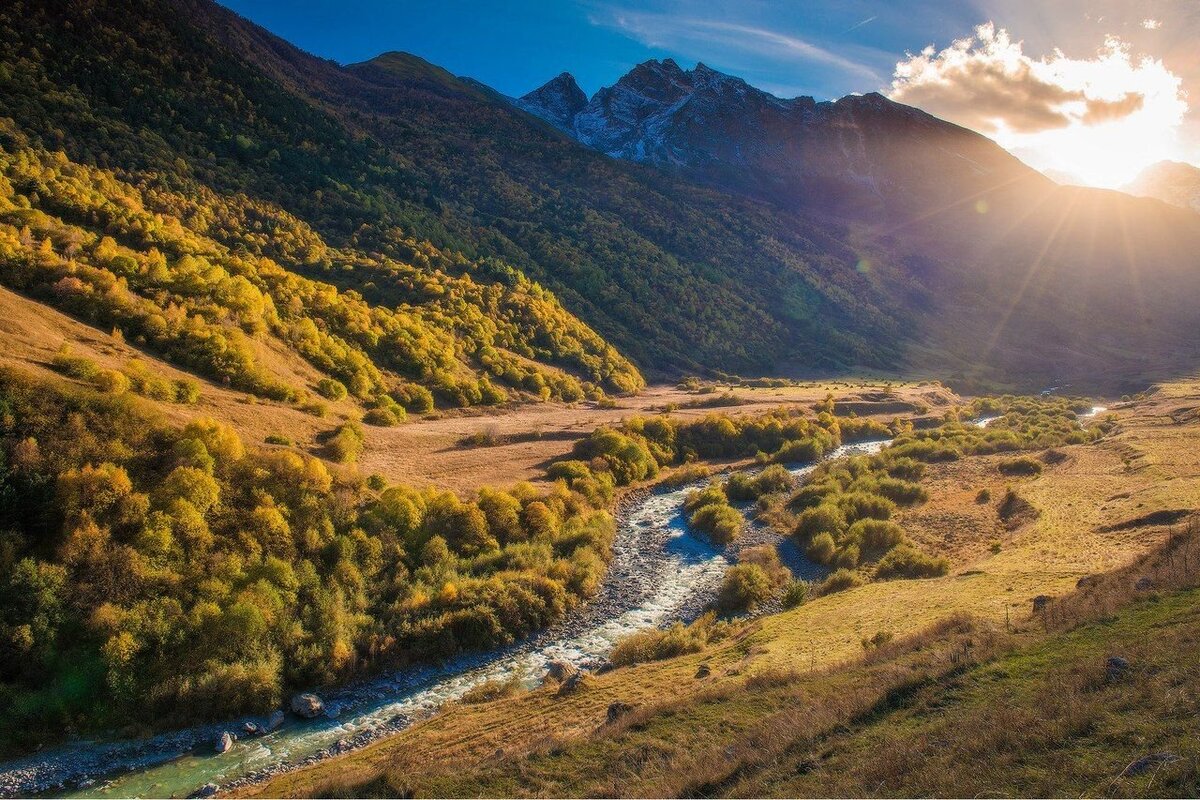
(1098,509)
(457,450)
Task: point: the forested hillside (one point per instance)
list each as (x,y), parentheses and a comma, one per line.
(394,181)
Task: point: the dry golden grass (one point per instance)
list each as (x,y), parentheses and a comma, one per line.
(1151,462)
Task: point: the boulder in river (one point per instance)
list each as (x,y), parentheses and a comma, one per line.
(252,728)
(207,790)
(559,670)
(275,720)
(224,742)
(307,705)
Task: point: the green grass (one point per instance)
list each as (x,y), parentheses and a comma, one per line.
(1044,721)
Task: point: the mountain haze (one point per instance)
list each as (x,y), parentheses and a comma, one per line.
(1172,182)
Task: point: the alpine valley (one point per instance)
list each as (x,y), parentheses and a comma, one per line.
(391,436)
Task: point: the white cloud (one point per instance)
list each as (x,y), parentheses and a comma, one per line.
(1101,118)
(703,38)
(1151,24)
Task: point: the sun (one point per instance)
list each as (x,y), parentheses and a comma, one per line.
(1104,156)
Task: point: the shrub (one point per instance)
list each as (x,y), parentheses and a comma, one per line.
(382,417)
(688,474)
(345,444)
(878,640)
(656,645)
(848,556)
(825,518)
(812,494)
(906,561)
(331,389)
(110,381)
(798,450)
(862,505)
(905,468)
(75,366)
(187,391)
(1021,465)
(275,438)
(795,593)
(983,496)
(745,587)
(900,491)
(925,450)
(821,549)
(712,494)
(721,523)
(839,581)
(773,479)
(875,535)
(740,486)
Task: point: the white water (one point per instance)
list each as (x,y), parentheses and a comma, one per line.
(659,573)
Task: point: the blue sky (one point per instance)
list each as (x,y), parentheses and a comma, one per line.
(1099,75)
(825,49)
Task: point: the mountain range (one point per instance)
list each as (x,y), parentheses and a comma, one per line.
(1172,182)
(862,154)
(678,221)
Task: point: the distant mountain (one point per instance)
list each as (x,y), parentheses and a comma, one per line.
(1172,182)
(860,153)
(558,102)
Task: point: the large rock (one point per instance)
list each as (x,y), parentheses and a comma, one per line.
(224,742)
(560,671)
(275,720)
(307,705)
(617,710)
(572,683)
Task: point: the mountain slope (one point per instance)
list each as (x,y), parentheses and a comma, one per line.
(1172,182)
(862,153)
(886,238)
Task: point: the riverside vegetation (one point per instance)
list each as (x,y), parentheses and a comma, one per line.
(174,574)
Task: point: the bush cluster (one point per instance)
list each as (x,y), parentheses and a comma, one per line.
(177,573)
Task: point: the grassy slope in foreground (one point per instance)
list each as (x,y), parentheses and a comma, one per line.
(1121,478)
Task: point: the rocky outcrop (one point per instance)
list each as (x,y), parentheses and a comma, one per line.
(557,102)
